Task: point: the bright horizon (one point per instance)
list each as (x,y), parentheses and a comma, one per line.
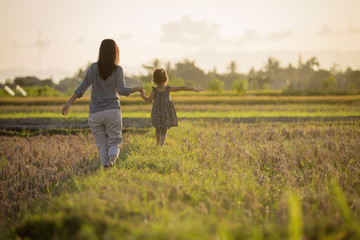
(212,33)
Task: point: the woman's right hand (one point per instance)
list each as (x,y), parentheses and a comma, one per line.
(65,109)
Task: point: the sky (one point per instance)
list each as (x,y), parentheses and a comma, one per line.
(52,38)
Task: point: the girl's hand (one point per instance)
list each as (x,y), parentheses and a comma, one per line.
(65,109)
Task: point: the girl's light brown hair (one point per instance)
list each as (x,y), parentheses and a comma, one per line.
(160,77)
(108,58)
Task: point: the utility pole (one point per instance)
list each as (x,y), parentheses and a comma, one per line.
(39,45)
(337,49)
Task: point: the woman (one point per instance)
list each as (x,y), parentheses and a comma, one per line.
(107,80)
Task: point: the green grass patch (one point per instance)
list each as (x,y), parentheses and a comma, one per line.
(201,98)
(197,114)
(215,181)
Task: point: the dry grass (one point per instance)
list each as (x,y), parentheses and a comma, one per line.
(211,180)
(218,181)
(35,168)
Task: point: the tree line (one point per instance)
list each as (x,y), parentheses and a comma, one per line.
(307,75)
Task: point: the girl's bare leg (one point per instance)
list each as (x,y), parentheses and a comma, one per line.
(162,137)
(157,135)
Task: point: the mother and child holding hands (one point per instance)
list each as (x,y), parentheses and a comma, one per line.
(107,80)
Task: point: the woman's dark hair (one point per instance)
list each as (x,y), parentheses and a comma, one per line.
(160,76)
(108,58)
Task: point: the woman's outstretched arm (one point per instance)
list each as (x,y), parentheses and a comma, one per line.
(67,105)
(184,88)
(136,89)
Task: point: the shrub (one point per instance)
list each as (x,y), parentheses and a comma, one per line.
(329,83)
(216,85)
(240,86)
(44,91)
(175,82)
(190,83)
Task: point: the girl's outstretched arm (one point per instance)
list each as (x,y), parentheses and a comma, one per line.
(67,105)
(184,88)
(147,99)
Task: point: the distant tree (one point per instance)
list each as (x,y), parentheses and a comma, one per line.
(317,78)
(214,70)
(259,80)
(251,77)
(149,70)
(216,85)
(8,81)
(27,81)
(305,72)
(232,67)
(190,83)
(213,74)
(240,86)
(175,82)
(154,65)
(312,63)
(230,77)
(169,70)
(354,79)
(41,91)
(187,70)
(335,69)
(271,67)
(290,77)
(329,83)
(300,62)
(273,72)
(148,87)
(69,84)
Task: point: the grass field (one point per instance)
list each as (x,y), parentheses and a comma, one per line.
(201,98)
(214,114)
(211,180)
(197,107)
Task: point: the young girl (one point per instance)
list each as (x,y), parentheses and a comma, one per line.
(163,114)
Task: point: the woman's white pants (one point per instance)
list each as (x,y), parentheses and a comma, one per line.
(106,127)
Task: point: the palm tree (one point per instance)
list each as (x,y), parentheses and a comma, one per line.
(232,67)
(154,65)
(272,66)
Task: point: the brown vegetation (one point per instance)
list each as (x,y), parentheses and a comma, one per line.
(36,168)
(258,178)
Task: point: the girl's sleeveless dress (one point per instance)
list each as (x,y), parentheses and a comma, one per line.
(163,114)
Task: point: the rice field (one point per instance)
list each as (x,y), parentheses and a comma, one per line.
(211,180)
(203,107)
(201,98)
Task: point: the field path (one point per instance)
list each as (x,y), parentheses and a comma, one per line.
(34,124)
